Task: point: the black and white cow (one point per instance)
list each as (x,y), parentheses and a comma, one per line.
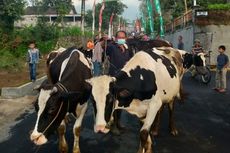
(138,44)
(198,61)
(68,92)
(148,80)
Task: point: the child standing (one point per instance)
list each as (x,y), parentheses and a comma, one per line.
(221,69)
(32,58)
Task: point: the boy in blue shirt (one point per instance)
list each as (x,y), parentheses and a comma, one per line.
(32,58)
(221,70)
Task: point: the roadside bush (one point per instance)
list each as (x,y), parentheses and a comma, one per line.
(219,6)
(71,31)
(13,48)
(10,62)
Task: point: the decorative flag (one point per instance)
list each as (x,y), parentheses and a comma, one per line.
(158,9)
(143,21)
(111,18)
(100,17)
(110,25)
(150,13)
(93,14)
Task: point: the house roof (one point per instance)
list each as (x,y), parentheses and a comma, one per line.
(34,10)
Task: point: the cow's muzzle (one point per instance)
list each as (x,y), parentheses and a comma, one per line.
(38,138)
(101,128)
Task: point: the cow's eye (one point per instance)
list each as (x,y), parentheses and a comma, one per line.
(51,111)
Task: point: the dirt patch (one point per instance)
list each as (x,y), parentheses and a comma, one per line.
(10,110)
(13,78)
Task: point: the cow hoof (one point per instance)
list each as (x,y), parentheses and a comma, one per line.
(174,132)
(141,150)
(76,151)
(149,151)
(64,150)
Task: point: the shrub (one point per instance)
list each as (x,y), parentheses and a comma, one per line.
(219,6)
(13,48)
(9,61)
(71,31)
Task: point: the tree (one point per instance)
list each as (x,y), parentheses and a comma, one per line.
(174,8)
(62,7)
(116,7)
(10,11)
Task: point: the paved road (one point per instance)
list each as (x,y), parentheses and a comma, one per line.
(203,122)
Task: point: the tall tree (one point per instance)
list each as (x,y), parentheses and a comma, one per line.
(10,11)
(62,7)
(116,7)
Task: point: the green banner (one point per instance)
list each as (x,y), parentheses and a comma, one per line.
(150,13)
(143,21)
(158,9)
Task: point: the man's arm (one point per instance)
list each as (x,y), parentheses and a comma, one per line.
(109,50)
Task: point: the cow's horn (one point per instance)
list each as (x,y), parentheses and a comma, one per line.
(54,90)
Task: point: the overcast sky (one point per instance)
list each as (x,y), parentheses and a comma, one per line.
(130,13)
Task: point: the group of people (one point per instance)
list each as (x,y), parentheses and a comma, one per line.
(221,66)
(117,52)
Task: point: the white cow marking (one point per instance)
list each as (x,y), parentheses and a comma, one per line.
(100,86)
(141,77)
(42,100)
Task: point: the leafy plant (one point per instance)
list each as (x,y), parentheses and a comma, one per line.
(71,31)
(219,6)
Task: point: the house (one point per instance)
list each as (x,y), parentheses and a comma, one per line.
(33,13)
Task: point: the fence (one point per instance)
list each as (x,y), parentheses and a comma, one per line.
(179,22)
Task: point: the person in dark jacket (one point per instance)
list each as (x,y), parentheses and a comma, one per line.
(118,53)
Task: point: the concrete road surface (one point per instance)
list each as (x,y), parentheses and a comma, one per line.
(203,122)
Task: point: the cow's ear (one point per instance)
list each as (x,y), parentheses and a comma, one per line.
(113,79)
(54,91)
(89,81)
(124,93)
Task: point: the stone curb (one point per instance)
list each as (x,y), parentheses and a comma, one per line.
(26,89)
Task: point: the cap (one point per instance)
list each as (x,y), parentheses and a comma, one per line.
(197,40)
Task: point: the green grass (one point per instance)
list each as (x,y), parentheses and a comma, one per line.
(219,6)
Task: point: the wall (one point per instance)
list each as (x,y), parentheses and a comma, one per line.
(26,89)
(26,20)
(212,36)
(31,20)
(186,33)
